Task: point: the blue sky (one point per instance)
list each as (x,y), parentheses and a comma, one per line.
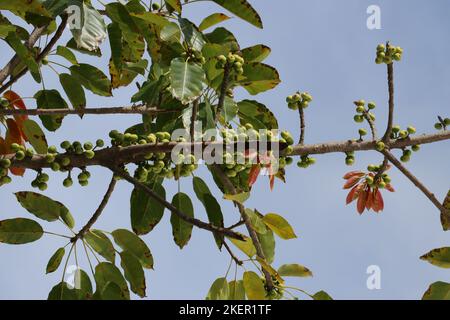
(320,46)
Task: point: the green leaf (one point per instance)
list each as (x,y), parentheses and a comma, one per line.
(186,80)
(212,207)
(55,260)
(256,53)
(152,18)
(445,214)
(5,30)
(101,244)
(256,221)
(73,90)
(259,77)
(89,31)
(112,292)
(175,4)
(267,241)
(438,291)
(171,33)
(193,36)
(35,136)
(131,243)
(182,230)
(220,41)
(245,246)
(105,273)
(218,290)
(438,257)
(62,291)
(257,114)
(230,109)
(240,197)
(20,231)
(83,284)
(254,286)
(146,212)
(243,10)
(44,208)
(280,226)
(92,79)
(22,7)
(294,270)
(133,273)
(212,20)
(236,290)
(66,54)
(322,295)
(25,55)
(50,99)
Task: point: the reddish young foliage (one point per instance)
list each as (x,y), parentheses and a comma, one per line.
(16,101)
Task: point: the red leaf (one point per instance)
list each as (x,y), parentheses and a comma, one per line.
(390,188)
(379,202)
(13,135)
(353,194)
(16,101)
(253,175)
(272,181)
(351,182)
(353,174)
(362,200)
(370,198)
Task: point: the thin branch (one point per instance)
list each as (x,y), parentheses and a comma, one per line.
(414,180)
(251,231)
(223,90)
(237,224)
(136,153)
(173,209)
(373,128)
(227,247)
(137,109)
(390,71)
(301,112)
(41,56)
(97,212)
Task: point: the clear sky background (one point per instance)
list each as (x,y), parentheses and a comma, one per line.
(320,46)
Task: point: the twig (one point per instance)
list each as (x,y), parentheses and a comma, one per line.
(41,56)
(238,262)
(413,179)
(301,112)
(390,71)
(137,153)
(97,212)
(251,231)
(373,128)
(138,109)
(237,224)
(173,209)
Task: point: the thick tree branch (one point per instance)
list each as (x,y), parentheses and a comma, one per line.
(137,109)
(97,212)
(42,54)
(137,153)
(251,231)
(173,209)
(414,180)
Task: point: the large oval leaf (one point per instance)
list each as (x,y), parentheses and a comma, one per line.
(186,80)
(35,136)
(20,231)
(146,212)
(92,79)
(259,77)
(254,286)
(44,208)
(131,243)
(133,273)
(236,290)
(243,10)
(62,291)
(438,257)
(73,90)
(280,226)
(245,246)
(182,230)
(101,244)
(218,290)
(50,99)
(256,53)
(105,273)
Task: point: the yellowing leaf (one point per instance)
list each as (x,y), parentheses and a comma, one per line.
(212,20)
(294,270)
(241,197)
(438,257)
(246,246)
(437,291)
(219,290)
(280,226)
(254,286)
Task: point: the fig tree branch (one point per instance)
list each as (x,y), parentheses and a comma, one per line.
(390,71)
(223,89)
(137,109)
(301,112)
(198,223)
(227,247)
(97,212)
(251,231)
(137,153)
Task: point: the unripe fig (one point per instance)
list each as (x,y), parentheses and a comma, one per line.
(438,126)
(156,6)
(20,155)
(403,134)
(358,118)
(89,154)
(68,182)
(88,146)
(411,130)
(65,145)
(42,186)
(362,132)
(65,161)
(380,146)
(55,166)
(5,163)
(415,148)
(360,109)
(371,105)
(447,121)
